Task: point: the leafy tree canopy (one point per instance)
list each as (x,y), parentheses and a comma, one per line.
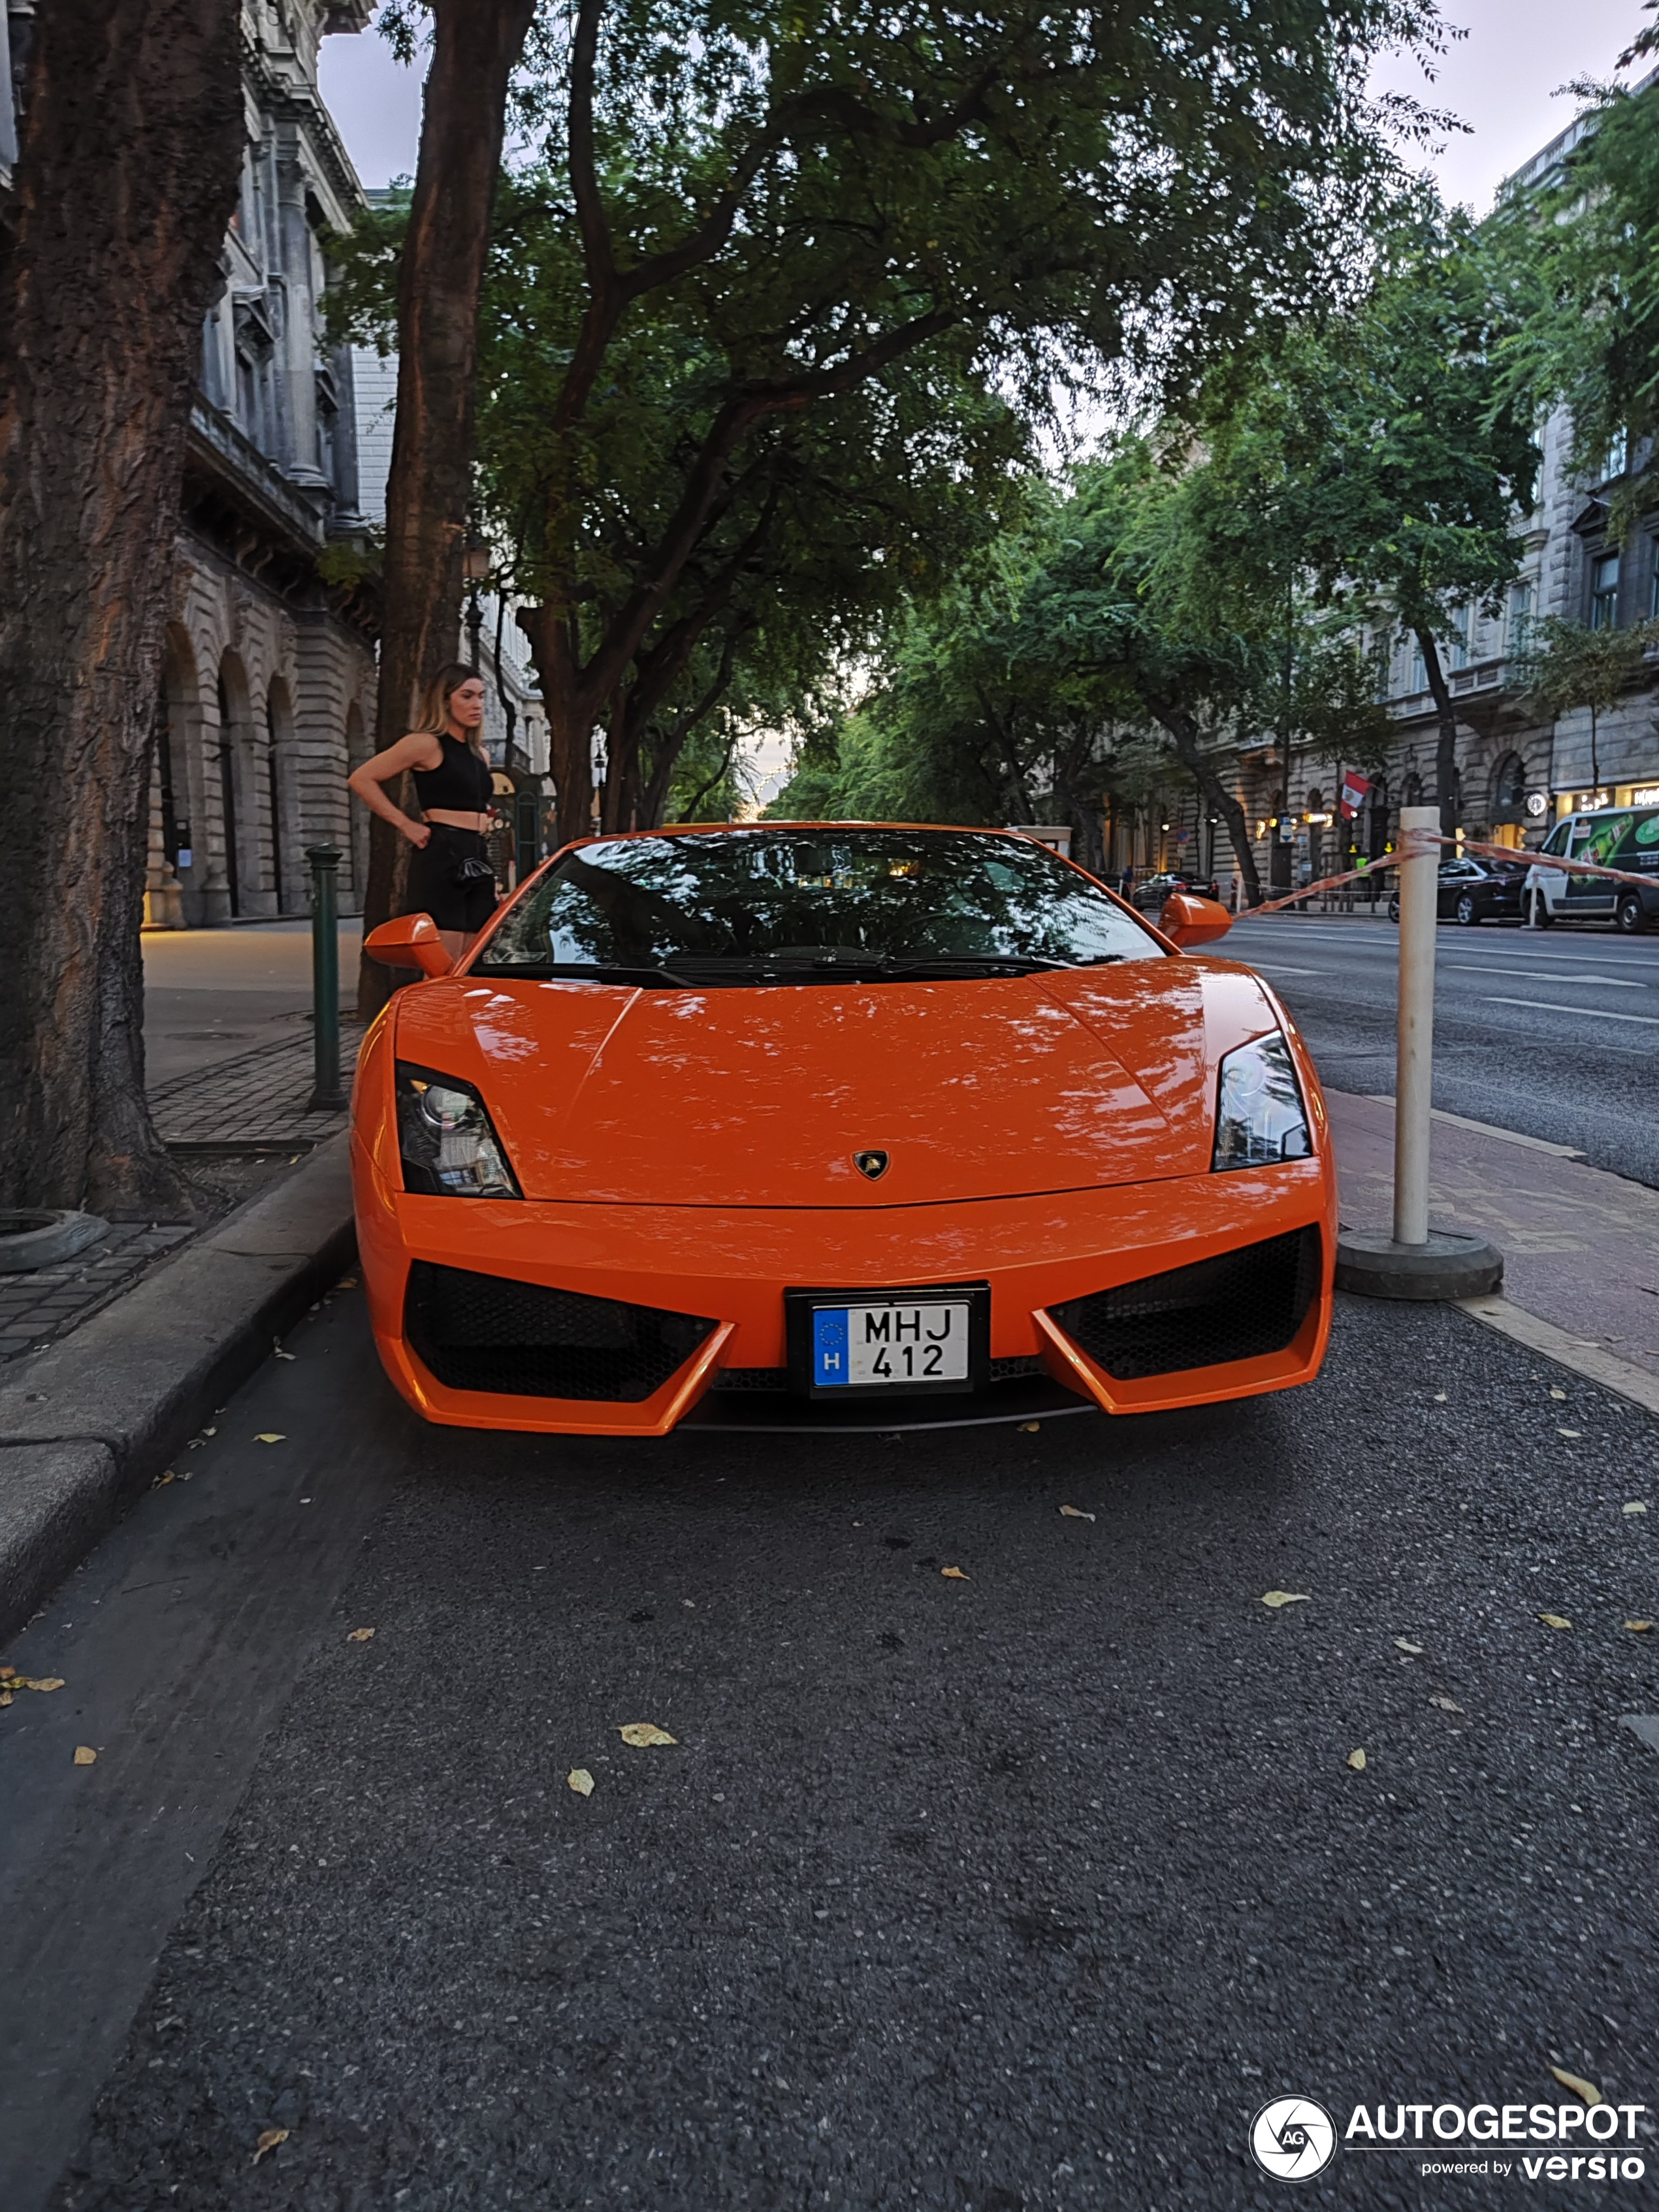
(1581,247)
(770,248)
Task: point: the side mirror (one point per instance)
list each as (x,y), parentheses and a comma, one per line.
(1188,921)
(411,940)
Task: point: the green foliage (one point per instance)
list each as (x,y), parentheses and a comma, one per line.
(1567,666)
(1380,454)
(1582,252)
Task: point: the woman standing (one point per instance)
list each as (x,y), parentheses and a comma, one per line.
(450,877)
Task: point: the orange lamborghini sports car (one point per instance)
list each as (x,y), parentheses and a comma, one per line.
(834,1126)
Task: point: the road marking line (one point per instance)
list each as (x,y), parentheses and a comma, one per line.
(1583,1355)
(1486,1128)
(1543,976)
(1596,1013)
(1278,968)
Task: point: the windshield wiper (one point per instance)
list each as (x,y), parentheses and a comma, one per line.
(605,972)
(1009,964)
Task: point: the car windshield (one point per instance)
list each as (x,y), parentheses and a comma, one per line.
(803,906)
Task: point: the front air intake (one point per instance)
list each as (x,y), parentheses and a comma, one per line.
(491,1332)
(1239,1305)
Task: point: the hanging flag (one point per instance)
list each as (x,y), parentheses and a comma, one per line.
(1355,790)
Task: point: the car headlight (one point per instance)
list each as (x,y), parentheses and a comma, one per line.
(448,1146)
(1260,1117)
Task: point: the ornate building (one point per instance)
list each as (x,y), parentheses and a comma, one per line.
(267,691)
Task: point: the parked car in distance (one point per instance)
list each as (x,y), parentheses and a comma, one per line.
(1624,837)
(1471,890)
(1149,893)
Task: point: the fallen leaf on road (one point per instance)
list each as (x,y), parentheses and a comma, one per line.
(955,1575)
(1635,1506)
(1570,1432)
(1579,2087)
(1276,1598)
(278,1352)
(1446,1704)
(360,1636)
(1641,1627)
(32,1682)
(269,2141)
(1439,1397)
(580,1780)
(348,1282)
(161,1479)
(641,1733)
(271,1436)
(8,1674)
(210,1432)
(1030,1428)
(6,1698)
(1076,1513)
(1554,1392)
(1555,1620)
(1356,1761)
(85,1755)
(1400,1645)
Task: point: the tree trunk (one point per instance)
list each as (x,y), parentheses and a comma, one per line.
(1188,743)
(109,260)
(569,720)
(1445,744)
(475,46)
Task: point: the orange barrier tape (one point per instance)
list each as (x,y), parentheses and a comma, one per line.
(1423,841)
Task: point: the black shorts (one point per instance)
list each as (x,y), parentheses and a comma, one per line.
(433,887)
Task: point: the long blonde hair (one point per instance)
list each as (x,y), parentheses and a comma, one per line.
(433,717)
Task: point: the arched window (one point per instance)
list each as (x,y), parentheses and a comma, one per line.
(279,797)
(1509,789)
(227,794)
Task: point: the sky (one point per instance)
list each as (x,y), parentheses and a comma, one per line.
(1499,80)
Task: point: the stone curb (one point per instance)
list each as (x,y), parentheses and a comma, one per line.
(87,1424)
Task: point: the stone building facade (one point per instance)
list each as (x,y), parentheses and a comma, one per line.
(267,694)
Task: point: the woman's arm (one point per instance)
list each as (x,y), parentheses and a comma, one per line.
(416,750)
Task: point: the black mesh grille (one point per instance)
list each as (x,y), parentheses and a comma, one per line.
(751,1378)
(1237,1306)
(1007,1370)
(489,1332)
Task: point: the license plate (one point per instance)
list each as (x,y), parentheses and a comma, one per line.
(888,1346)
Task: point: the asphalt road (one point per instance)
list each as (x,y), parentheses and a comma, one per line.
(1551,1032)
(1004,1894)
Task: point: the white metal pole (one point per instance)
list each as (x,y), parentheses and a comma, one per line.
(1414,1076)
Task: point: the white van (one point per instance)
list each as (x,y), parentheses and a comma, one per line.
(1614,838)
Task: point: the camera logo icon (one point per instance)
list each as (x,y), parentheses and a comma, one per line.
(1293,2139)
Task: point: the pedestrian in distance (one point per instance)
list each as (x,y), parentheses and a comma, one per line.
(450,877)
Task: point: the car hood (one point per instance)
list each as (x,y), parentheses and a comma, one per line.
(989,1089)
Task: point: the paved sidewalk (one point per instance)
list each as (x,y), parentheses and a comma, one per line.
(238,1122)
(258,1099)
(1581,1247)
(212,995)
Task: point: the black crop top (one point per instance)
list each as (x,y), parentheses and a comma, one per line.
(460,784)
